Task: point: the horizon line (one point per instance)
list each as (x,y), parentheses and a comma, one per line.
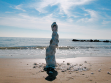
(61,38)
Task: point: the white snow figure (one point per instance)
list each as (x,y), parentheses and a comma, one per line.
(51,50)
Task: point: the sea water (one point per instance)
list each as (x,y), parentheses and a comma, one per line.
(15,47)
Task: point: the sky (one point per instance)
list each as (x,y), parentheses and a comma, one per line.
(77,19)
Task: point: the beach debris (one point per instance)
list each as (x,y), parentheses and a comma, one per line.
(85,61)
(59,64)
(99,70)
(42,70)
(90,80)
(70,78)
(87,76)
(76,64)
(70,71)
(92,73)
(108,72)
(63,70)
(35,64)
(58,68)
(80,64)
(64,67)
(110,67)
(68,68)
(40,65)
(84,68)
(83,74)
(44,66)
(80,69)
(68,63)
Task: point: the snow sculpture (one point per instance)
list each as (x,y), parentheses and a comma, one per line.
(51,50)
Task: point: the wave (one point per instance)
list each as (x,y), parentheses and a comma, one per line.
(60,47)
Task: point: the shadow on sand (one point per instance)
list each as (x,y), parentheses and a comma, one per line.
(51,76)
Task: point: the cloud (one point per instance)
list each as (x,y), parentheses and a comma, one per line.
(104,9)
(86,14)
(19,7)
(107,16)
(64,6)
(106,22)
(67,5)
(44,23)
(40,6)
(8,12)
(25,21)
(106,19)
(70,22)
(94,16)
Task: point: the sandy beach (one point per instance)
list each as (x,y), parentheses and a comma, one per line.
(26,71)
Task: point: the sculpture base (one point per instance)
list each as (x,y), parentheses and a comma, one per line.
(50,61)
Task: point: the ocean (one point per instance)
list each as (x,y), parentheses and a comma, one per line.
(16,47)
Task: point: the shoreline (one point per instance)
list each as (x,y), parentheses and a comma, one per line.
(22,71)
(57,58)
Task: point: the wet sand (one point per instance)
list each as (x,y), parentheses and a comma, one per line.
(23,71)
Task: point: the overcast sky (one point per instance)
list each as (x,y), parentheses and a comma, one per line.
(78,19)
